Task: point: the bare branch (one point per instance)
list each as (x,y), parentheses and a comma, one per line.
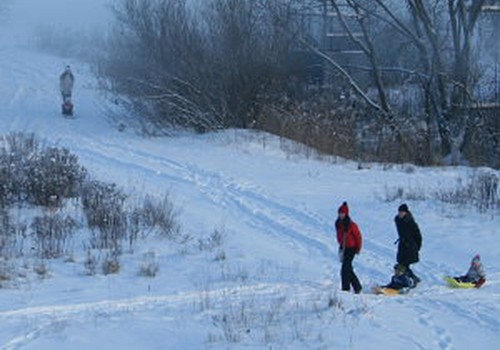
(346,75)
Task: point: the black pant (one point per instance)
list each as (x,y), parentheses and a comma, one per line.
(347,274)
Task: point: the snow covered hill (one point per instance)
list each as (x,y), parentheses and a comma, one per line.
(273,282)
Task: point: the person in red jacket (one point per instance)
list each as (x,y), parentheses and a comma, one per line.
(350,241)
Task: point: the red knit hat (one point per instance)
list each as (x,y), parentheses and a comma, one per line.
(344,209)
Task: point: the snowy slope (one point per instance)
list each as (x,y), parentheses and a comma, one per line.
(276,210)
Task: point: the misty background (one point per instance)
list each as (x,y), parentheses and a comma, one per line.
(22,19)
(389,81)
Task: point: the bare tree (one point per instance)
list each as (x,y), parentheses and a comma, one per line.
(463,19)
(202,66)
(445,68)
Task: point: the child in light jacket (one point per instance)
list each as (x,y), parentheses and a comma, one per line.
(475,274)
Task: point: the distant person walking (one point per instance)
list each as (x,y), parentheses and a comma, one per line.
(66,82)
(350,241)
(409,241)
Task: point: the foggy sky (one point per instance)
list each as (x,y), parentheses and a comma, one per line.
(23,17)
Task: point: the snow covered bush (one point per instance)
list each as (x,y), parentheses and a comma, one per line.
(111,264)
(90,263)
(272,322)
(214,243)
(37,181)
(156,215)
(41,268)
(37,175)
(16,151)
(211,242)
(54,175)
(149,267)
(103,206)
(243,50)
(479,189)
(6,271)
(406,193)
(51,233)
(488,190)
(7,235)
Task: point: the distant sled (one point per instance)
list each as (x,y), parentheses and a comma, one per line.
(67,107)
(379,290)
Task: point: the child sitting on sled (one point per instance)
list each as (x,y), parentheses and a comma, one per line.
(475,274)
(401,279)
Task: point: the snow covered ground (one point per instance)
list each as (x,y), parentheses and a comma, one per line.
(275,209)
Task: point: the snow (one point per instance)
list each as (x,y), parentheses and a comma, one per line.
(276,210)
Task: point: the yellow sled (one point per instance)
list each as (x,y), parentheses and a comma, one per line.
(388,291)
(453,283)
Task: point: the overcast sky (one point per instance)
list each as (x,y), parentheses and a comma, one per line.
(25,16)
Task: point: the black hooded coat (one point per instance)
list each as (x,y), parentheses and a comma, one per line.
(410,240)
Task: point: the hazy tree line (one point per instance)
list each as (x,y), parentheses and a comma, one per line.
(198,65)
(410,94)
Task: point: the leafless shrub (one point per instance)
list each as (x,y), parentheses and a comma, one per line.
(15,155)
(20,145)
(54,175)
(480,189)
(215,240)
(111,264)
(488,190)
(220,256)
(267,322)
(400,193)
(51,233)
(235,321)
(91,262)
(214,243)
(321,123)
(41,268)
(408,168)
(43,177)
(393,194)
(157,215)
(6,271)
(7,235)
(37,175)
(204,67)
(149,268)
(335,302)
(231,273)
(103,206)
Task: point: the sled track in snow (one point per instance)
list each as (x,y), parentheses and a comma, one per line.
(299,229)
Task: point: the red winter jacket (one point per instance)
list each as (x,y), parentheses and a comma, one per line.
(353,237)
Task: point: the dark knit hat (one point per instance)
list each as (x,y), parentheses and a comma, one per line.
(344,209)
(403,207)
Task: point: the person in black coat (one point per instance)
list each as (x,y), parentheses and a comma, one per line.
(409,241)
